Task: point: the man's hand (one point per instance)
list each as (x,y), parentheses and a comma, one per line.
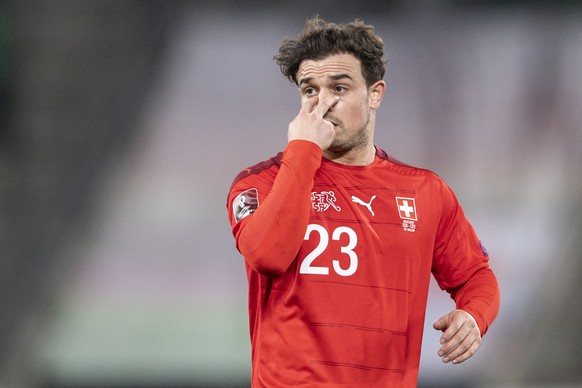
(310,125)
(461,337)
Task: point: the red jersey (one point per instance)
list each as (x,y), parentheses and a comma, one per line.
(338,262)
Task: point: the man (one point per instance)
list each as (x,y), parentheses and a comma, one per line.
(340,239)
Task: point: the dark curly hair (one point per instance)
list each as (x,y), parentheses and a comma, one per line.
(321,39)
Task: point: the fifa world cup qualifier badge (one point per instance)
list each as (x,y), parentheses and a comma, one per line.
(245,204)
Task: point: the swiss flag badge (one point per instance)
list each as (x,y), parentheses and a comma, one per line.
(406,208)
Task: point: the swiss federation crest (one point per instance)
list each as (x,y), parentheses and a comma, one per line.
(324,200)
(245,204)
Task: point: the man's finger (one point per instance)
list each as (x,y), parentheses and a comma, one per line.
(463,351)
(450,330)
(470,352)
(442,323)
(453,341)
(324,105)
(309,104)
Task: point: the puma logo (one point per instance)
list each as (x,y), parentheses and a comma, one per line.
(360,202)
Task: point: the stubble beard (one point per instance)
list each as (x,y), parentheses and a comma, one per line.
(356,140)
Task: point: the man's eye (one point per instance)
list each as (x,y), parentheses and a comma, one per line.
(340,89)
(309,91)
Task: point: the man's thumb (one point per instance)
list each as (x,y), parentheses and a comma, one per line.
(441,323)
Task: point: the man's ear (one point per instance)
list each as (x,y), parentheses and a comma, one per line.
(376,93)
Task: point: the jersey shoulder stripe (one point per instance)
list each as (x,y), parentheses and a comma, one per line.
(401,167)
(258,168)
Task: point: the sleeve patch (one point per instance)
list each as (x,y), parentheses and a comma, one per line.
(483,249)
(245,204)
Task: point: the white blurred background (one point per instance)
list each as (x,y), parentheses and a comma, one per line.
(123,124)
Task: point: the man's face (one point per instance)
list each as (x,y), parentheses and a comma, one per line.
(340,75)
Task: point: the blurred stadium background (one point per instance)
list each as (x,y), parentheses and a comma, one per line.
(122,124)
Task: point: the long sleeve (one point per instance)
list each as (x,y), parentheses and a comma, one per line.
(271,236)
(479,296)
(461,264)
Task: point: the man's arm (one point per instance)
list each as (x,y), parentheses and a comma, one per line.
(271,236)
(461,267)
(477,306)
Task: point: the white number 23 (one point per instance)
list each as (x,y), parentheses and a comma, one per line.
(307,266)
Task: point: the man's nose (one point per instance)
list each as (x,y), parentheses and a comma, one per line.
(324,93)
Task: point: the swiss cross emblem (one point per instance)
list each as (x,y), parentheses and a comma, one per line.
(324,200)
(406,208)
(407,211)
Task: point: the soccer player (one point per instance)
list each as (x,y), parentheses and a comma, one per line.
(340,239)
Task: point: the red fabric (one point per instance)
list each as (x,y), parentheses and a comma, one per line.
(479,297)
(338,262)
(259,238)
